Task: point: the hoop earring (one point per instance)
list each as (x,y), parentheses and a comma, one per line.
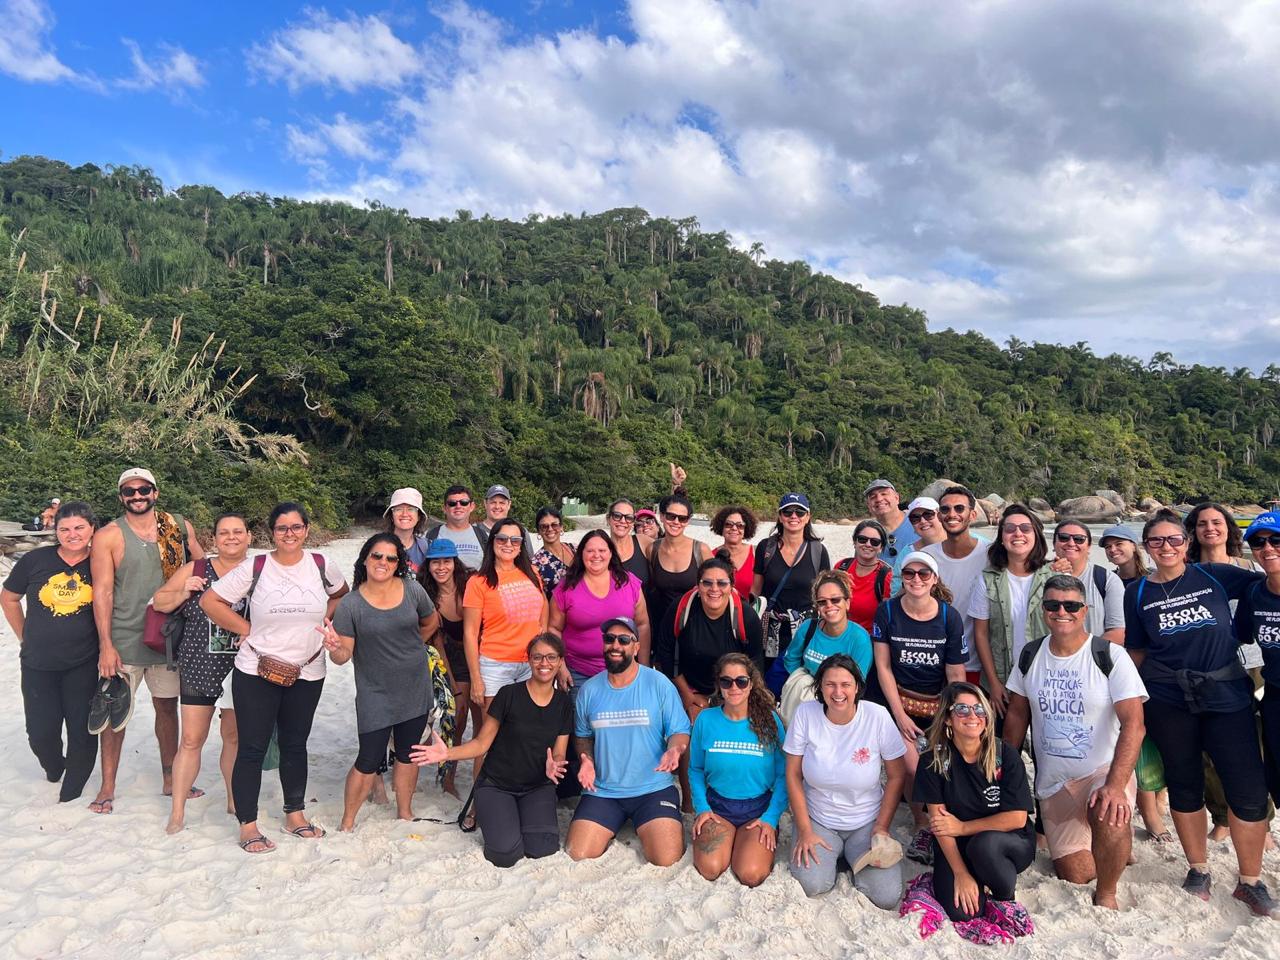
(948,731)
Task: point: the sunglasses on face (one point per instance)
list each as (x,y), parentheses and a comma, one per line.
(829,602)
(503,540)
(1263,540)
(385,557)
(715,584)
(867,541)
(740,682)
(957,509)
(617,517)
(621,639)
(670,517)
(921,515)
(1071,606)
(914,573)
(549,526)
(1079,539)
(1173,540)
(1018,528)
(143,491)
(290,528)
(458,503)
(734,525)
(793,512)
(969,710)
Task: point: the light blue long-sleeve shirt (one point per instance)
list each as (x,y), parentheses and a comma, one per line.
(727,756)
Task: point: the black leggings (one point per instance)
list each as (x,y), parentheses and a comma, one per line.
(373,745)
(1230,739)
(994,857)
(517,824)
(262,706)
(1271,739)
(53,699)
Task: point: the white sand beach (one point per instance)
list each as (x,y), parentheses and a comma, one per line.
(78,885)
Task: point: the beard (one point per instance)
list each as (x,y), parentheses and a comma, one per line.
(620,665)
(134,507)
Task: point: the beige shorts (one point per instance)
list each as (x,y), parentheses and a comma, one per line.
(160,680)
(1066,813)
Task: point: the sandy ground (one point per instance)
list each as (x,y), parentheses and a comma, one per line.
(73,884)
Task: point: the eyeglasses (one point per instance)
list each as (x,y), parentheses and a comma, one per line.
(734,525)
(458,503)
(917,573)
(503,540)
(1173,540)
(1018,528)
(921,515)
(294,528)
(544,658)
(549,526)
(670,517)
(621,639)
(1071,606)
(868,541)
(956,508)
(740,682)
(716,584)
(385,557)
(143,491)
(1262,540)
(617,517)
(793,512)
(1077,538)
(969,710)
(829,602)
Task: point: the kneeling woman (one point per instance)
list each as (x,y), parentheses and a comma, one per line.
(976,791)
(836,748)
(526,738)
(737,772)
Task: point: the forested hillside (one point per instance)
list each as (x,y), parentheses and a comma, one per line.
(334,353)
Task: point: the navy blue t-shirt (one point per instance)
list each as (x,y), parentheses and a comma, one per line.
(1258,619)
(919,650)
(1186,625)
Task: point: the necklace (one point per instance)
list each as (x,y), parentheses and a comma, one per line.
(1165,588)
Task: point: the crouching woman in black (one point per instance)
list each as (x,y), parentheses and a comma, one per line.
(978,799)
(524,740)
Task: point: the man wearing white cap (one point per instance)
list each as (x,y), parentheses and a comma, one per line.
(131,558)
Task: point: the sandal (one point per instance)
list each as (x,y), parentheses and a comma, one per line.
(267,845)
(102,806)
(307,831)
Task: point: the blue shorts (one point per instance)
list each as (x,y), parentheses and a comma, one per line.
(612,812)
(738,812)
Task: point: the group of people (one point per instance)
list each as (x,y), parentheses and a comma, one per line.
(651,677)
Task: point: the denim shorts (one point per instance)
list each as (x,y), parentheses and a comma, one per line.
(496,674)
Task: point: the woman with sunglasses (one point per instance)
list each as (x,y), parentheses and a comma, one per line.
(838,747)
(523,742)
(976,790)
(633,548)
(1179,632)
(1005,602)
(787,563)
(923,516)
(674,562)
(554,556)
(738,526)
(871,578)
(382,627)
(737,773)
(1104,592)
(829,631)
(647,524)
(919,648)
(595,590)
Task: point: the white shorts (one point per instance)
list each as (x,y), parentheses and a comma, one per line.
(160,680)
(496,674)
(224,701)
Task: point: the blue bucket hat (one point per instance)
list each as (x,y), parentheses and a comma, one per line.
(442,549)
(1268,522)
(795,500)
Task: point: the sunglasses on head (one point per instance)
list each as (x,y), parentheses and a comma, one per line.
(740,682)
(621,639)
(670,517)
(1173,540)
(1071,606)
(457,503)
(867,541)
(921,515)
(617,517)
(917,573)
(793,512)
(1264,540)
(1077,538)
(143,491)
(969,710)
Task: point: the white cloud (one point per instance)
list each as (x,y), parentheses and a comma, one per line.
(25,52)
(170,68)
(350,54)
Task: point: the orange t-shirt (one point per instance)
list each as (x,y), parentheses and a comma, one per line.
(510,614)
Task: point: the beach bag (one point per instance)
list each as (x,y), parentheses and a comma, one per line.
(797,690)
(162,632)
(1150,768)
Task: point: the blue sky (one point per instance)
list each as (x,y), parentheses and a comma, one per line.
(1062,170)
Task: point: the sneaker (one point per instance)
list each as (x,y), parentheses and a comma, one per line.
(99,711)
(1197,884)
(120,704)
(921,848)
(1258,899)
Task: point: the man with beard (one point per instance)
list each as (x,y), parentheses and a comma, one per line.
(630,733)
(961,558)
(130,559)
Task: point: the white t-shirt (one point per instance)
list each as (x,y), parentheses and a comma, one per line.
(1074,727)
(287,606)
(842,762)
(1019,595)
(960,576)
(469,550)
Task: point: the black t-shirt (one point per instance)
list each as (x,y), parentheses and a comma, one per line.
(796,593)
(59,632)
(518,758)
(919,650)
(702,642)
(967,793)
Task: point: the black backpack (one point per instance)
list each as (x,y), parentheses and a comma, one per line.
(882,575)
(1100,647)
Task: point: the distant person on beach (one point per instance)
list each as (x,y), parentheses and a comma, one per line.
(884,505)
(871,579)
(280,665)
(469,538)
(737,525)
(206,654)
(633,546)
(524,740)
(131,559)
(838,747)
(497,505)
(630,731)
(57,647)
(48,513)
(1082,697)
(408,521)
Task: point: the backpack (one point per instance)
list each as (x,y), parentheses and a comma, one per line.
(1100,647)
(1100,581)
(479,529)
(770,547)
(883,570)
(737,621)
(260,561)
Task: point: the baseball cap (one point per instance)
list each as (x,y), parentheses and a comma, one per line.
(1119,532)
(442,549)
(137,473)
(923,503)
(794,500)
(646,513)
(878,484)
(625,621)
(497,490)
(919,556)
(405,497)
(1268,522)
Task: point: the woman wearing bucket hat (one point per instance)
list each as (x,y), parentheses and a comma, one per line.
(407,520)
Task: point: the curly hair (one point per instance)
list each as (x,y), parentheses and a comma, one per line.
(361,573)
(838,577)
(749,521)
(761,716)
(1235,537)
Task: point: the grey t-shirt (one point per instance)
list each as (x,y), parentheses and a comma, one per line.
(393,681)
(469,550)
(1105,613)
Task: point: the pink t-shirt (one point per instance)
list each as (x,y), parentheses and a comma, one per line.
(584,612)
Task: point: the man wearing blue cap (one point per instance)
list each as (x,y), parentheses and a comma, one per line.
(630,733)
(1258,621)
(884,505)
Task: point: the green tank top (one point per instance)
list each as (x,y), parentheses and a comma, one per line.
(138,577)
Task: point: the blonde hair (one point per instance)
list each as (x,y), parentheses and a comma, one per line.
(940,742)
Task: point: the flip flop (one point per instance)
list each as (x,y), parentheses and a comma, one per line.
(317,831)
(102,806)
(268,846)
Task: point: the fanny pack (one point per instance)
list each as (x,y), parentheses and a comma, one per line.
(921,708)
(280,672)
